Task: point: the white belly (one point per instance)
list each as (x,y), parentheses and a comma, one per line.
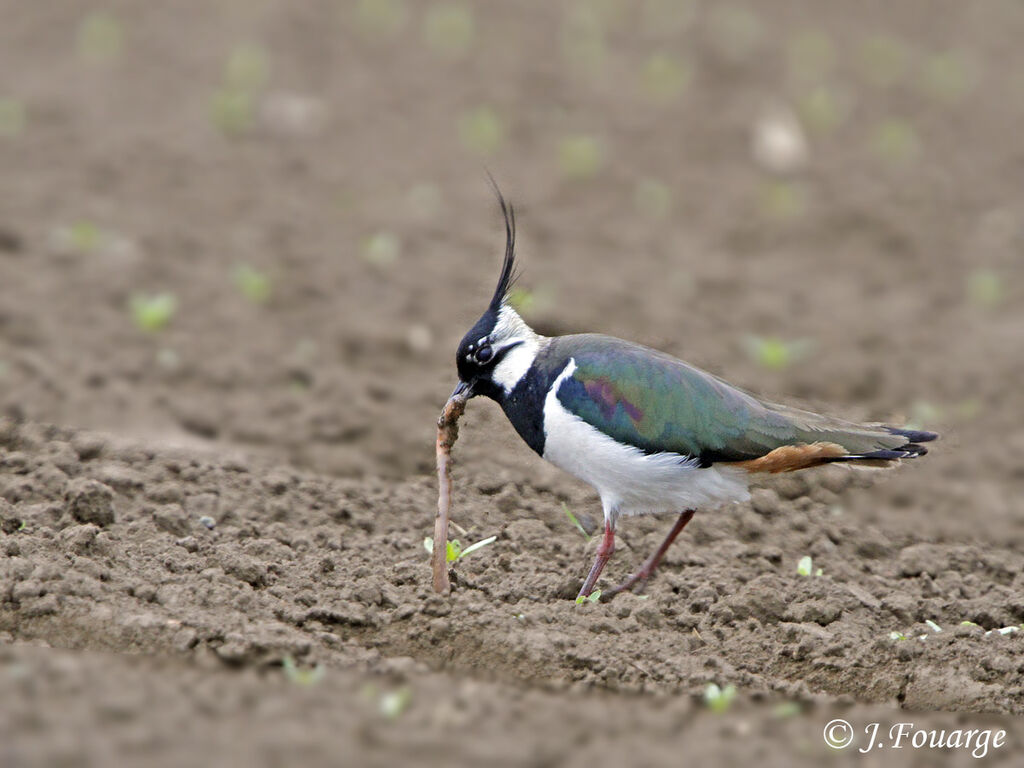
(629,481)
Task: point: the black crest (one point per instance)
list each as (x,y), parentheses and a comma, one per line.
(508,268)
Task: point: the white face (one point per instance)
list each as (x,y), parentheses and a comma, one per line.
(511,331)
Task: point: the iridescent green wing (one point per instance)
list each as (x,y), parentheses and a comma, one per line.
(657,403)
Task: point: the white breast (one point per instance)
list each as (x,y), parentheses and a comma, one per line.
(629,481)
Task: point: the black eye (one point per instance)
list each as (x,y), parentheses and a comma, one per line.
(484,354)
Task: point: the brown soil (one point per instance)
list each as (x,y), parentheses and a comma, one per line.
(239,500)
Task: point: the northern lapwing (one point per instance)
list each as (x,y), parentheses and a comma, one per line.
(650,433)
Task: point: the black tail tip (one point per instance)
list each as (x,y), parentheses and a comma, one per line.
(914,435)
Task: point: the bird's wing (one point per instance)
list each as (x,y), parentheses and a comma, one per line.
(657,403)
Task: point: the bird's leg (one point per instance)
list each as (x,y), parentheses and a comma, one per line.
(639,579)
(604,552)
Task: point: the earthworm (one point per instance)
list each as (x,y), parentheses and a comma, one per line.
(447,434)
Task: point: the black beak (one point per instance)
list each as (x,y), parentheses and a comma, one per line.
(463,388)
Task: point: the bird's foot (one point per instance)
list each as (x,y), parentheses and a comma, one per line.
(634,583)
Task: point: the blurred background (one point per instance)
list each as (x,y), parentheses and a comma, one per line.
(265,224)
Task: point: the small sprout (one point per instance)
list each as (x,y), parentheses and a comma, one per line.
(933,626)
(718,699)
(664,78)
(895,141)
(232,110)
(393,703)
(481,130)
(247,68)
(22,525)
(454,550)
(811,55)
(1002,631)
(380,18)
(734,31)
(304,677)
(653,198)
(152,313)
(985,288)
(580,157)
(897,636)
(12,118)
(84,236)
(382,249)
(969,624)
(449,30)
(575,521)
(805,566)
(787,709)
(948,77)
(100,36)
(783,200)
(776,354)
(883,61)
(252,283)
(593,597)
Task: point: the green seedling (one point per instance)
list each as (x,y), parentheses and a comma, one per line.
(717,699)
(449,29)
(895,140)
(653,198)
(883,60)
(933,626)
(252,284)
(481,130)
(664,78)
(380,19)
(393,703)
(787,709)
(382,249)
(734,31)
(985,288)
(84,236)
(897,636)
(575,521)
(806,567)
(454,550)
(581,157)
(152,312)
(593,597)
(776,354)
(100,36)
(232,110)
(306,677)
(12,118)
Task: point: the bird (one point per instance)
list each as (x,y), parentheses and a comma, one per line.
(649,432)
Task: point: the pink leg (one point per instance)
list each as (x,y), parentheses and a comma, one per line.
(604,551)
(639,579)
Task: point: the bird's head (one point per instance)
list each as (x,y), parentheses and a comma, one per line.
(500,348)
